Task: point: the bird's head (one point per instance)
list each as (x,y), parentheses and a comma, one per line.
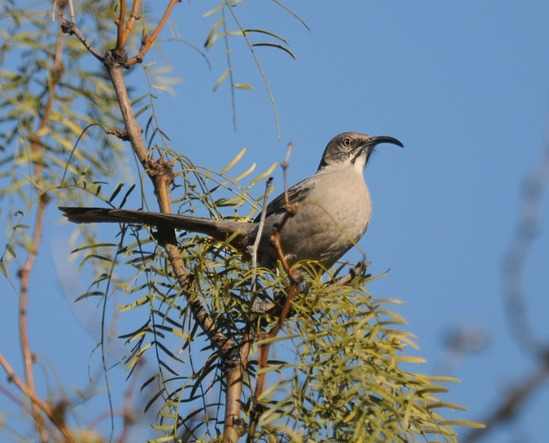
(352,148)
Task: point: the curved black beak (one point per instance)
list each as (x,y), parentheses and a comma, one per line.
(373,141)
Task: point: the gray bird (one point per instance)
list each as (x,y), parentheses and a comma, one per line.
(331,209)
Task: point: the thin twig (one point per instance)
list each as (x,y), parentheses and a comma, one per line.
(103,330)
(195,48)
(292,13)
(229,65)
(128,415)
(289,210)
(121,29)
(134,16)
(133,128)
(255,246)
(72,11)
(150,39)
(70,28)
(29,392)
(53,10)
(285,165)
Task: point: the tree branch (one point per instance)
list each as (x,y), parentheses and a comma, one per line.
(161,175)
(29,392)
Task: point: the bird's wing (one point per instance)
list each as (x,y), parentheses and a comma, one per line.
(296,194)
(218,229)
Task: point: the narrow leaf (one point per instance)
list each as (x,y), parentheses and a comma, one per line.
(274,45)
(262,31)
(245,86)
(116,192)
(220,80)
(233,162)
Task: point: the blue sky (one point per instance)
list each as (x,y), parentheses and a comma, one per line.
(462,84)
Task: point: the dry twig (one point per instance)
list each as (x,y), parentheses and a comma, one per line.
(255,246)
(150,39)
(31,394)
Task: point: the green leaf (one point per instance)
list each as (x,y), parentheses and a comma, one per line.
(245,86)
(276,46)
(214,33)
(233,162)
(3,268)
(245,173)
(139,302)
(214,10)
(89,294)
(445,404)
(461,422)
(237,200)
(136,358)
(116,192)
(220,79)
(262,31)
(271,340)
(431,390)
(264,174)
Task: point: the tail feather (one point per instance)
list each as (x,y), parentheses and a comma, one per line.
(218,229)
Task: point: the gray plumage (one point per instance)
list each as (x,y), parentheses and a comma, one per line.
(332,209)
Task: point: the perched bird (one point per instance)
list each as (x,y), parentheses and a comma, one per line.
(330,210)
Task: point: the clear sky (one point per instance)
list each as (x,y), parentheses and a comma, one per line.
(463,84)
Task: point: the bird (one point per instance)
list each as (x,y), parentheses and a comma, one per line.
(330,210)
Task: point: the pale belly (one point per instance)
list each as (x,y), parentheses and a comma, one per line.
(325,226)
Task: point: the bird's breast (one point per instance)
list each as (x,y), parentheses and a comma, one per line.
(327,223)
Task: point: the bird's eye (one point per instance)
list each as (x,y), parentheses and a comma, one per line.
(347,141)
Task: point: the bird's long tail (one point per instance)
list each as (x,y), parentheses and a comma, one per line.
(218,229)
